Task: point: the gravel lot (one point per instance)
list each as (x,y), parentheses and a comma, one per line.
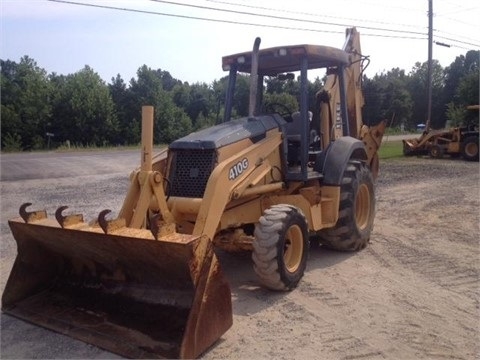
(413,293)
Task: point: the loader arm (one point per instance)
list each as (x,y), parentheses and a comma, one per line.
(145,184)
(223,181)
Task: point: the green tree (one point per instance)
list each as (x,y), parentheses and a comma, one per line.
(241,96)
(198,101)
(84,111)
(387,97)
(171,122)
(467,91)
(286,99)
(218,97)
(462,88)
(467,94)
(418,89)
(374,98)
(129,127)
(291,86)
(457,70)
(25,102)
(167,80)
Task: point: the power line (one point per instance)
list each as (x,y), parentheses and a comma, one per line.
(284,17)
(190,17)
(311,14)
(304,20)
(448,33)
(384,4)
(457,8)
(352,19)
(457,11)
(284,27)
(334,17)
(461,22)
(221,20)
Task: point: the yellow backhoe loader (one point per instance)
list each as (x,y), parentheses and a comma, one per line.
(147,283)
(461,140)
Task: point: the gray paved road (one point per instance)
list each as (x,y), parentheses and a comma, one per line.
(49,165)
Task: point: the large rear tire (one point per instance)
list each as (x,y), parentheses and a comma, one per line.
(470,148)
(280,248)
(357,211)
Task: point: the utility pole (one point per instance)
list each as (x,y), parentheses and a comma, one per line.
(429,67)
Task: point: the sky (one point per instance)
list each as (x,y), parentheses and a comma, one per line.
(188,38)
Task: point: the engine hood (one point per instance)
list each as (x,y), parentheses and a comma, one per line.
(230,132)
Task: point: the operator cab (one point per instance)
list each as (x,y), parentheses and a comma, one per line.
(302,145)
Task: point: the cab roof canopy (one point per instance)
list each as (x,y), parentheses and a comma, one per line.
(276,60)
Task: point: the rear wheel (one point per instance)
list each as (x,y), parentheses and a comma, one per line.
(470,148)
(357,211)
(280,248)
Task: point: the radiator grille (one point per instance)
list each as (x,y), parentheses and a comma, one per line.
(190,171)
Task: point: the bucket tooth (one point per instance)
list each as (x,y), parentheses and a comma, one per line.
(29,216)
(154,228)
(160,227)
(108,226)
(67,220)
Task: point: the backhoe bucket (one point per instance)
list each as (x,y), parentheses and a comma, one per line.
(120,289)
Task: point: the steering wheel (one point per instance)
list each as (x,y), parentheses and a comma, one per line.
(280,109)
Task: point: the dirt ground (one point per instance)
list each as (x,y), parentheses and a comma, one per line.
(413,293)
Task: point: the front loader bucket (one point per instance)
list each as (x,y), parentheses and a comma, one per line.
(410,146)
(123,291)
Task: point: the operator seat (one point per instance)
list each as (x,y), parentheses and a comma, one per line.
(294,128)
(294,137)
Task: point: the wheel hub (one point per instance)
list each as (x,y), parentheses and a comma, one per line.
(362,207)
(292,255)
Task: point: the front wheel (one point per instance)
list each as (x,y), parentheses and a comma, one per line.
(280,248)
(436,152)
(356,213)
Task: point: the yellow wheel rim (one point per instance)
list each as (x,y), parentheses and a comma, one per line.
(362,207)
(292,255)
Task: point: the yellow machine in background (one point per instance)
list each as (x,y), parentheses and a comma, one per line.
(147,284)
(455,141)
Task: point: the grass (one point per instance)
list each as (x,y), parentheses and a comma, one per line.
(390,150)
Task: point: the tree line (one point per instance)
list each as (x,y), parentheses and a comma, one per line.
(40,110)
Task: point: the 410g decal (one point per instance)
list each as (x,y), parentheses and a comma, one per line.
(237,169)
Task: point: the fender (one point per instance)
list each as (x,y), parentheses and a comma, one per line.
(333,161)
